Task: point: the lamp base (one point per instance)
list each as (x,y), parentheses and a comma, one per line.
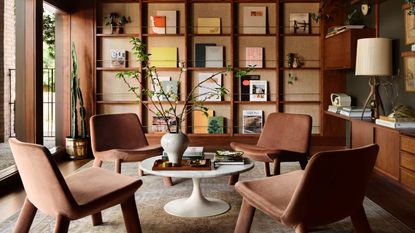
(374,98)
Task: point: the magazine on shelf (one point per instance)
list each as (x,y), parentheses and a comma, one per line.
(118,57)
(252,121)
(258,90)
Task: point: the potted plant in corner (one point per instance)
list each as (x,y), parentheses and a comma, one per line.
(77,143)
(164,102)
(116,22)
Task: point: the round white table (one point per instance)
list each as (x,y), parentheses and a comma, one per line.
(197,205)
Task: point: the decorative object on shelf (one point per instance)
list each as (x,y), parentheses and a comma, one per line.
(245,86)
(379,52)
(300,23)
(258,90)
(200,121)
(214,56)
(118,58)
(208,90)
(116,22)
(402,117)
(352,18)
(171,21)
(216,125)
(364,8)
(401,111)
(409,73)
(411,9)
(173,142)
(159,125)
(294,61)
(292,78)
(327,8)
(254,20)
(157,25)
(254,57)
(200,50)
(409,25)
(252,121)
(208,26)
(77,144)
(290,59)
(340,99)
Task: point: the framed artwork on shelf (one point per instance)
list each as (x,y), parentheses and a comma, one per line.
(300,23)
(409,27)
(118,58)
(409,73)
(258,90)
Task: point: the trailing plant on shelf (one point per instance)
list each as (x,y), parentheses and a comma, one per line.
(411,10)
(116,22)
(77,142)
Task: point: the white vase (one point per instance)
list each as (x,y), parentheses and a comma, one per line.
(174,144)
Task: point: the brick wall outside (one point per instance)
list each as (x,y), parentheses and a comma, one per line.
(9,60)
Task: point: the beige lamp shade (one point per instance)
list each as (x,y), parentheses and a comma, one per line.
(374,57)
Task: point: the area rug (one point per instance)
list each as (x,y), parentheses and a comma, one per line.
(153,195)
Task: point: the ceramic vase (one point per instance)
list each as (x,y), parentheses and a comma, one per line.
(174,144)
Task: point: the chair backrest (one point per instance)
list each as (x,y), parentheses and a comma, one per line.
(116,131)
(43,182)
(286,131)
(333,186)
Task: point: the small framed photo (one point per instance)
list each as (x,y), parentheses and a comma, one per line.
(409,73)
(118,58)
(258,90)
(409,27)
(300,23)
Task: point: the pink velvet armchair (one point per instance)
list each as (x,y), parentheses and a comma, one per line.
(76,196)
(331,188)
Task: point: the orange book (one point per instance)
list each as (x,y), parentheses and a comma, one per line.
(158,25)
(200,121)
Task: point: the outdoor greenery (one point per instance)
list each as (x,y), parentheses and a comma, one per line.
(412,7)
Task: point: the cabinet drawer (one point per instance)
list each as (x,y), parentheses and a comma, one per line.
(408,144)
(408,178)
(408,161)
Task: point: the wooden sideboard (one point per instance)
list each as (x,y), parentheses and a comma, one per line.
(396,158)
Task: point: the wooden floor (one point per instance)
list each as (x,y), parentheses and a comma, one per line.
(399,202)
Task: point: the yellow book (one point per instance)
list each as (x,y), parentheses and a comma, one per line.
(163,57)
(208,25)
(200,121)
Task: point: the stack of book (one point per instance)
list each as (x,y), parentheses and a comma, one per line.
(396,123)
(191,153)
(228,158)
(339,29)
(356,112)
(335,109)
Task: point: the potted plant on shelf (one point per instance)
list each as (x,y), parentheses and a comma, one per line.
(116,22)
(164,103)
(77,143)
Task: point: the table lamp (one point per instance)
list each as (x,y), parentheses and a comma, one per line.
(374,59)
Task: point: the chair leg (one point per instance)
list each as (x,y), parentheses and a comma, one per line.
(303,163)
(277,167)
(27,214)
(62,224)
(246,215)
(131,219)
(97,219)
(118,166)
(301,228)
(167,181)
(359,220)
(233,179)
(97,163)
(267,172)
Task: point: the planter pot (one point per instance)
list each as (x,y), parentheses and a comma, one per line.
(174,144)
(77,148)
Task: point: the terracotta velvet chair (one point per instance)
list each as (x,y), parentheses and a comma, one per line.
(331,188)
(285,137)
(120,138)
(76,196)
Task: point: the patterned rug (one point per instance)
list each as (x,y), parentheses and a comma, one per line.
(153,195)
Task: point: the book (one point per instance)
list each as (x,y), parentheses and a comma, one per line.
(245,80)
(366,114)
(118,58)
(254,20)
(252,121)
(171,21)
(335,109)
(208,26)
(258,90)
(355,109)
(214,56)
(163,57)
(397,119)
(191,153)
(339,29)
(156,87)
(209,90)
(159,125)
(300,23)
(200,121)
(396,125)
(171,88)
(200,52)
(254,56)
(228,158)
(215,125)
(157,25)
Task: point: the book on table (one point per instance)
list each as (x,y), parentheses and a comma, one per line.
(223,157)
(191,153)
(396,125)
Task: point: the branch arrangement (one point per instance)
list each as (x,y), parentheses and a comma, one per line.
(166,102)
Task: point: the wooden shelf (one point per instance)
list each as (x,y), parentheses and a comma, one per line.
(301,68)
(206,68)
(408,54)
(299,35)
(255,35)
(118,35)
(298,102)
(118,69)
(117,102)
(255,102)
(163,35)
(209,35)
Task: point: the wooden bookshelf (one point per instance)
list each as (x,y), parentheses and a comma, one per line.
(304,96)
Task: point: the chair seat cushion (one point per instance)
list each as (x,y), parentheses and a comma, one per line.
(130,155)
(95,189)
(272,194)
(265,154)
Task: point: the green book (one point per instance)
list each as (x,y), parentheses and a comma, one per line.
(215,125)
